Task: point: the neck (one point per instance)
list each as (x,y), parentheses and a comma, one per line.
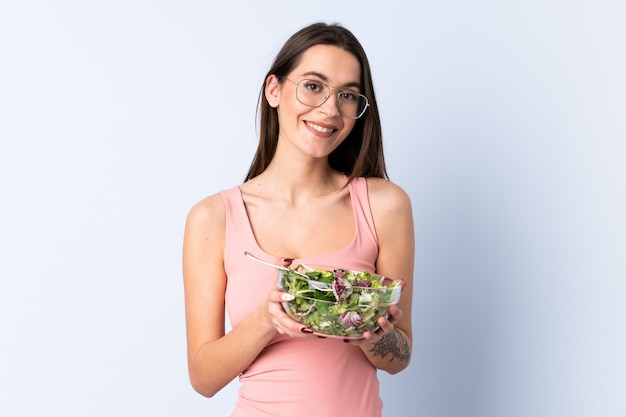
(296,182)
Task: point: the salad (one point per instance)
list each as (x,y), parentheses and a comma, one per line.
(338,302)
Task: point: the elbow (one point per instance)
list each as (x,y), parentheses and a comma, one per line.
(399,363)
(397,369)
(202,387)
(204,379)
(204,390)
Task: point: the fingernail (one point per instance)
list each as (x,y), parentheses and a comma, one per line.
(321,337)
(287,260)
(306,330)
(346,340)
(287,297)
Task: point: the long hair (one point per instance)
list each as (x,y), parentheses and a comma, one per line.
(361,153)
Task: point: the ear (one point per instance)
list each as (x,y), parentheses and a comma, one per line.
(272,90)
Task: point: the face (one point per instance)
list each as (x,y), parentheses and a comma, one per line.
(315,131)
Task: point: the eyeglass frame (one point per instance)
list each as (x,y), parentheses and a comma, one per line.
(337,101)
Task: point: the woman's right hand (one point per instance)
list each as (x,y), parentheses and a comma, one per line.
(280,320)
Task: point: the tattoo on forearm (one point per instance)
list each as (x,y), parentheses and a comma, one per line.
(393,344)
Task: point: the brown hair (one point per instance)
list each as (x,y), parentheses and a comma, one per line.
(361,153)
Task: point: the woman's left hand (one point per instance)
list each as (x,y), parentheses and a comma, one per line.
(387,326)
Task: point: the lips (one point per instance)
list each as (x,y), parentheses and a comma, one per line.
(319,128)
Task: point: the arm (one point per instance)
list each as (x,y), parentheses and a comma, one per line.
(216,358)
(390,347)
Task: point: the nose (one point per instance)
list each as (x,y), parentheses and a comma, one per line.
(331,106)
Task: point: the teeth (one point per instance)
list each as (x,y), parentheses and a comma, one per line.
(319,128)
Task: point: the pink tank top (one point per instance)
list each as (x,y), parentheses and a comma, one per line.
(299,376)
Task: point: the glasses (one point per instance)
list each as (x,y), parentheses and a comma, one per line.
(314,93)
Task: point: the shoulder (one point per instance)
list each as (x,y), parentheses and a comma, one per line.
(386,196)
(207,214)
(391,210)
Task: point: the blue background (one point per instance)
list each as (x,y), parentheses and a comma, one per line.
(503,120)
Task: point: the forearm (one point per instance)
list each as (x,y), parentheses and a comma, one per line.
(392,353)
(216,363)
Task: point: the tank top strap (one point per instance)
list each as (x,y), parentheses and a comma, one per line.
(239,235)
(366,229)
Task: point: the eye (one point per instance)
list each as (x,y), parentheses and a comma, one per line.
(348,96)
(313,86)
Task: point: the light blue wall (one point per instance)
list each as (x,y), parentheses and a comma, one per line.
(505,122)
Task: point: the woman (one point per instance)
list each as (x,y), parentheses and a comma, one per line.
(317,193)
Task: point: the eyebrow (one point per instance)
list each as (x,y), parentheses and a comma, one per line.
(325,79)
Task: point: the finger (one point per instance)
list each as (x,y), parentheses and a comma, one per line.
(284,261)
(278,296)
(395,314)
(355,342)
(385,325)
(284,296)
(283,323)
(372,337)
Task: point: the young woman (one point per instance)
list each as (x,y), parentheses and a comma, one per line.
(317,193)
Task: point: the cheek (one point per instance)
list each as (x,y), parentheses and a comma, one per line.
(348,125)
(290,110)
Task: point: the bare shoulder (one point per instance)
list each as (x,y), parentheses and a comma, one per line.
(392,213)
(206,222)
(386,196)
(207,211)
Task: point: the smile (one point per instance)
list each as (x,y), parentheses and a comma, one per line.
(319,128)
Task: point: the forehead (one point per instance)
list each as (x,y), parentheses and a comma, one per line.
(336,65)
